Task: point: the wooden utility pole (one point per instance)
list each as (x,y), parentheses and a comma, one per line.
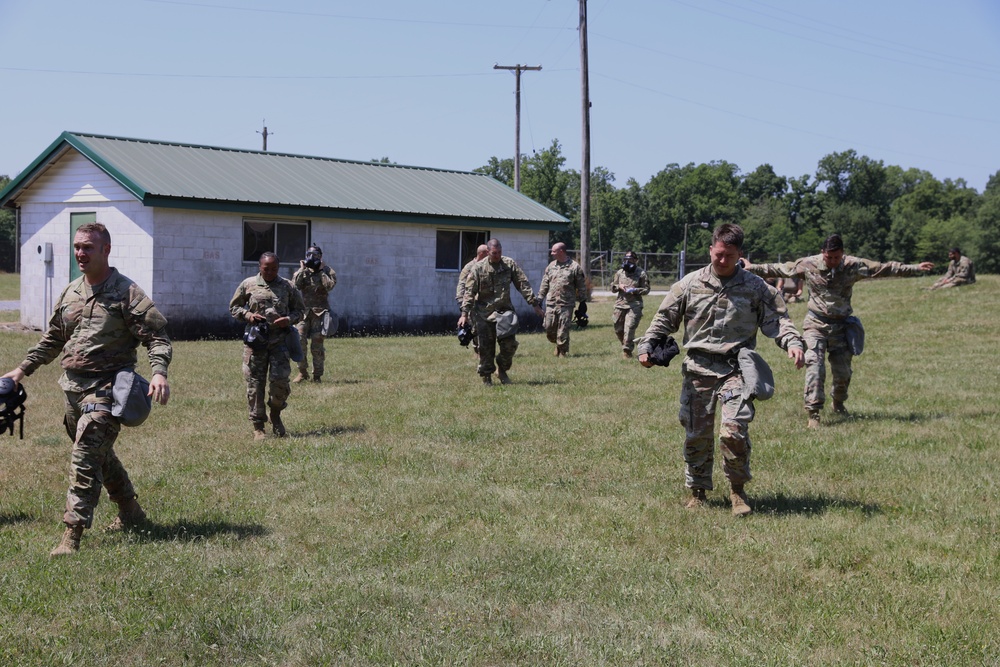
(585,168)
(517,116)
(264,134)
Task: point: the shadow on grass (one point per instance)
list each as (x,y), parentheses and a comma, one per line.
(904,417)
(780,504)
(190,531)
(15,518)
(328,430)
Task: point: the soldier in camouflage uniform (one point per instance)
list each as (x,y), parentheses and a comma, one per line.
(563,286)
(721,308)
(481,253)
(487,293)
(831,276)
(98,322)
(960,271)
(630,283)
(314,280)
(271,298)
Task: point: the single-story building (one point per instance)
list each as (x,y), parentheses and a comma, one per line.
(189,222)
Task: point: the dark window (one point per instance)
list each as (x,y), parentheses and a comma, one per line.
(288,240)
(456,247)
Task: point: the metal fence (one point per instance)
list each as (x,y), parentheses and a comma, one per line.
(663,268)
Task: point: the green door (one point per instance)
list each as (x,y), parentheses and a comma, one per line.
(77,220)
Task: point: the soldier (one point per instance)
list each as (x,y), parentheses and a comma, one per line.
(790,288)
(630,283)
(481,253)
(960,271)
(314,279)
(721,308)
(268,298)
(98,322)
(487,299)
(563,285)
(831,276)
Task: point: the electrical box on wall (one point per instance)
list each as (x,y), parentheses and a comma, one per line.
(45,250)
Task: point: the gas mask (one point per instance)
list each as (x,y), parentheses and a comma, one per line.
(12,398)
(314,260)
(629,264)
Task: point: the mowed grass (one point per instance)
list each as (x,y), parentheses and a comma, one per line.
(415,517)
(10,286)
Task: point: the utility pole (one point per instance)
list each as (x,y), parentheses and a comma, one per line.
(585,168)
(264,133)
(517,116)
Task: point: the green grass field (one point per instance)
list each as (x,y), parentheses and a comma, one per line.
(10,286)
(415,517)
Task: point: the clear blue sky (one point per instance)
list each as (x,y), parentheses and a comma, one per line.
(913,83)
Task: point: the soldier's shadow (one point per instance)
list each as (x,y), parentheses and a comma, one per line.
(905,417)
(328,431)
(15,518)
(782,505)
(192,531)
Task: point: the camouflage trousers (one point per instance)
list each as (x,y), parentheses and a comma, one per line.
(626,321)
(93,464)
(311,329)
(259,367)
(699,396)
(489,359)
(829,339)
(556,324)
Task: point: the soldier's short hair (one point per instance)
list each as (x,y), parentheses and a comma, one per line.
(729,234)
(268,255)
(316,248)
(833,242)
(493,243)
(956,250)
(98,229)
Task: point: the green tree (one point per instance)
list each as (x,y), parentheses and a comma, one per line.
(8,235)
(987,255)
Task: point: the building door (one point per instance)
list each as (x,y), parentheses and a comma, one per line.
(77,220)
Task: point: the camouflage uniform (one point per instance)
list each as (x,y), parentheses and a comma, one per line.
(563,286)
(487,291)
(460,294)
(276,299)
(719,318)
(314,286)
(825,333)
(98,328)
(628,306)
(960,272)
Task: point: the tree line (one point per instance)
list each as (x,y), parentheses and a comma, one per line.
(883,212)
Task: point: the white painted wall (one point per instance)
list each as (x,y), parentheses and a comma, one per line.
(75,185)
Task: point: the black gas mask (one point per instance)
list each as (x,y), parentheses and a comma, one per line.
(12,398)
(314,259)
(629,264)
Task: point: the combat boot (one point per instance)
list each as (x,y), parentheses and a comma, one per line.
(316,379)
(277,425)
(70,542)
(697,499)
(813,419)
(299,378)
(741,505)
(626,354)
(129,514)
(487,380)
(838,407)
(503,377)
(258,431)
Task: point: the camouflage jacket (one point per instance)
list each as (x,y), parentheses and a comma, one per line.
(563,284)
(315,286)
(487,287)
(830,290)
(720,318)
(278,298)
(98,328)
(460,289)
(960,272)
(637,280)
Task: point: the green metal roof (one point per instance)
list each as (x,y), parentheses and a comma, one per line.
(206,177)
